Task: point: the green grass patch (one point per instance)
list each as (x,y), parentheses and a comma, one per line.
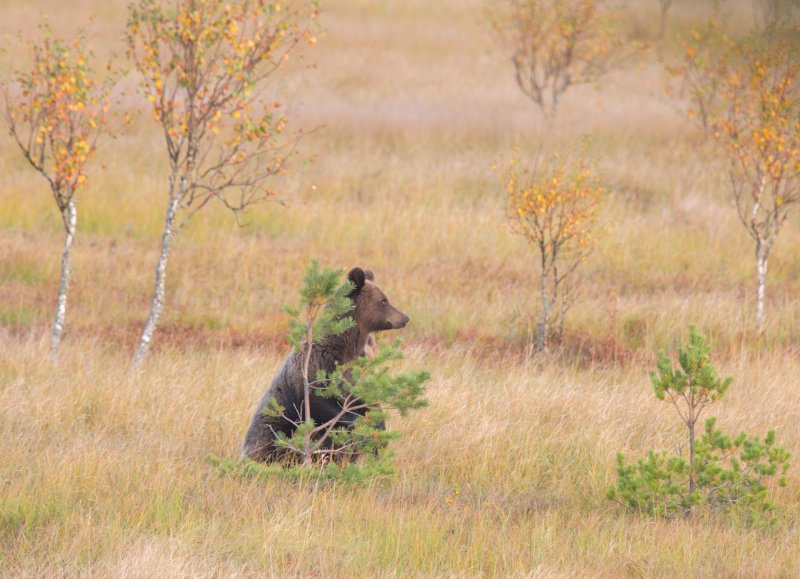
(25,515)
(26,271)
(20,317)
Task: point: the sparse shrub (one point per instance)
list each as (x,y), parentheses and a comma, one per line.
(18,317)
(555,206)
(634,331)
(726,475)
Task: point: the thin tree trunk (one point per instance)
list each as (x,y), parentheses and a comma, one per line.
(662,21)
(70,220)
(542,327)
(307,389)
(563,313)
(691,457)
(762,254)
(157,303)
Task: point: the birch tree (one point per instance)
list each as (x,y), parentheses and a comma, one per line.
(56,112)
(556,44)
(747,95)
(760,135)
(554,206)
(205,68)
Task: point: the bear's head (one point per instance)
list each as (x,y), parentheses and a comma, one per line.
(373,312)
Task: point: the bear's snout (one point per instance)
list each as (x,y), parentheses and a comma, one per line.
(400,322)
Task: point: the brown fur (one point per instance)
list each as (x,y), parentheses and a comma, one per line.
(372,313)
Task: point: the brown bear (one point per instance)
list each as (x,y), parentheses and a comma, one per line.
(372,312)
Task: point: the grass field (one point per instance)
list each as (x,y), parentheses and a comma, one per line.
(102,467)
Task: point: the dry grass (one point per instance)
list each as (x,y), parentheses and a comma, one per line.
(102,468)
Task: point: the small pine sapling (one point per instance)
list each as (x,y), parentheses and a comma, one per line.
(690,387)
(728,475)
(363,388)
(736,470)
(323,309)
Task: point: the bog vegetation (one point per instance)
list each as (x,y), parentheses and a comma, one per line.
(506,472)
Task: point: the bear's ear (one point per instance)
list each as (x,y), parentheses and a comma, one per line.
(369,275)
(357,278)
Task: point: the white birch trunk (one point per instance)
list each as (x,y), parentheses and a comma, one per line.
(157,303)
(762,254)
(70,221)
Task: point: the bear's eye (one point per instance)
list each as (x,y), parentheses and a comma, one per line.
(384,301)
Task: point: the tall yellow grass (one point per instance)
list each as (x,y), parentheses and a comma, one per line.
(102,469)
